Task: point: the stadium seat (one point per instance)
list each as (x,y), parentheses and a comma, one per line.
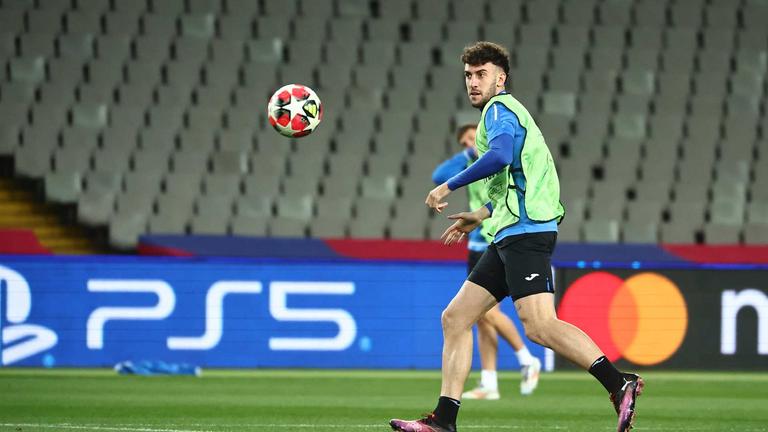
(340,185)
(63,187)
(328,227)
(9,139)
(678,233)
(27,69)
(138,181)
(236,28)
(727,212)
(378,53)
(72,159)
(343,31)
(721,234)
(94,207)
(615,12)
(244,225)
(569,231)
(366,228)
(12,21)
(168,223)
(756,233)
(225,185)
(403,229)
(32,161)
(558,80)
(253,205)
(297,208)
(190,160)
(212,215)
(281,227)
(562,103)
(650,14)
(135,203)
(44,21)
(644,232)
(334,77)
(383,187)
(383,30)
(609,206)
(125,229)
(757,212)
(304,185)
(37,45)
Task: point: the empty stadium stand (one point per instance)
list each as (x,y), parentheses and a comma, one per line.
(147,116)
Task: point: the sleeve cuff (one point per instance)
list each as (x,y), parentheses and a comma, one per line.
(489,206)
(451,183)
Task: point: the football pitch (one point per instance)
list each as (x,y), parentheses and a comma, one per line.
(314,400)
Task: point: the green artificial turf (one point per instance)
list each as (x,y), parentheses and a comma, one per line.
(298,400)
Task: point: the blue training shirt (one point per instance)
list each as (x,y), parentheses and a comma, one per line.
(449,168)
(499,121)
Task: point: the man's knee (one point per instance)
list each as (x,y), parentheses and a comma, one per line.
(453,320)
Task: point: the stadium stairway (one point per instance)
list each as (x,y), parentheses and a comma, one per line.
(21,208)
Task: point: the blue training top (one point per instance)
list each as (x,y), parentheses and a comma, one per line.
(506,138)
(449,168)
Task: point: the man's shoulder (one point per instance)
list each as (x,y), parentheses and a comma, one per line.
(499,112)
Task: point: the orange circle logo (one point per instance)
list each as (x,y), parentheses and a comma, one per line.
(642,319)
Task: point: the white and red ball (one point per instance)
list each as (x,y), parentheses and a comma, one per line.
(294,110)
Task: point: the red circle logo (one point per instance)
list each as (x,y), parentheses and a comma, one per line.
(642,319)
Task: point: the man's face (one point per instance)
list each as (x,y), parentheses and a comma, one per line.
(467,139)
(483,82)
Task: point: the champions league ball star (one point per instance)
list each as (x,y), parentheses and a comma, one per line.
(294,110)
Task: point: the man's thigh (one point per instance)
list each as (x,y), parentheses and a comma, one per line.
(471,303)
(489,273)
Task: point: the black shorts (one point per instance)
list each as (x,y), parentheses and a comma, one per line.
(517,266)
(474,257)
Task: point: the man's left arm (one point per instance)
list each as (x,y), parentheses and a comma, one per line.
(500,126)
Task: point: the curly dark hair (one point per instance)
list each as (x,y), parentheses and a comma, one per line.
(486,52)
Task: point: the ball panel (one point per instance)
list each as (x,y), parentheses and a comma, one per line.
(300,92)
(310,109)
(283,99)
(283,117)
(299,123)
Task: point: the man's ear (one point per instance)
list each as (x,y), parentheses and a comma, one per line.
(502,80)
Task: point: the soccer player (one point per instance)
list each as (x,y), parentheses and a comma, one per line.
(524,208)
(494,322)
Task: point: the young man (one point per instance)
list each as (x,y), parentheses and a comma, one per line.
(524,209)
(494,322)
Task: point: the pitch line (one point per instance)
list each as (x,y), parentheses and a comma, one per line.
(261,426)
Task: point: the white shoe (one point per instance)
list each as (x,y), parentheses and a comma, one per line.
(530,379)
(481,393)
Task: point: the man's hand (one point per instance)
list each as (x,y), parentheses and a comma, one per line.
(465,223)
(435,197)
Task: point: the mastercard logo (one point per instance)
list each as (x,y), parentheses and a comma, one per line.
(642,319)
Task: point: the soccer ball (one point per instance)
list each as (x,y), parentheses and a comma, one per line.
(294,110)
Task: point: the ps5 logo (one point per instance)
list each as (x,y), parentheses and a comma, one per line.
(279,291)
(19,339)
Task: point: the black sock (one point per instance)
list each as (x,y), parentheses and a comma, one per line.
(447,410)
(607,374)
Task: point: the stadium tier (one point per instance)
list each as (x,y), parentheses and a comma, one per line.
(149,116)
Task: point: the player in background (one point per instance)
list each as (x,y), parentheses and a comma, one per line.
(495,322)
(524,209)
